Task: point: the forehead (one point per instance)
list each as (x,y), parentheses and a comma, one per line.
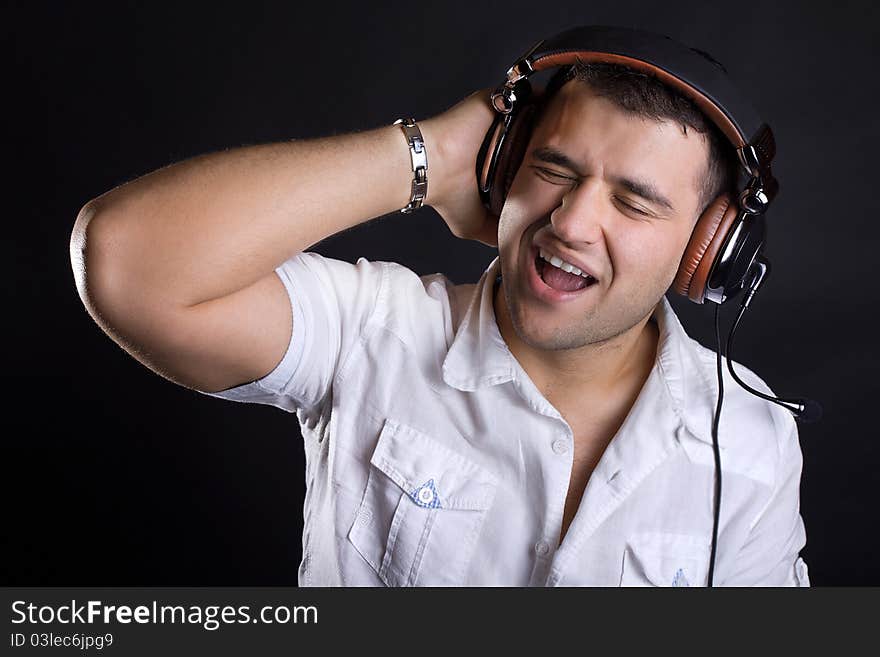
(606,140)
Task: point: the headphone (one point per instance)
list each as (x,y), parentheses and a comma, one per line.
(725,253)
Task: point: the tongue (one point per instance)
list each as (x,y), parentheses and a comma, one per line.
(559,279)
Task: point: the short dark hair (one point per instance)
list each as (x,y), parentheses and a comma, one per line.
(645,95)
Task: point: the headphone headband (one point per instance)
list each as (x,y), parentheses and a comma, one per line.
(691,72)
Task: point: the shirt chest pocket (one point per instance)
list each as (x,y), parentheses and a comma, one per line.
(422,511)
(665,559)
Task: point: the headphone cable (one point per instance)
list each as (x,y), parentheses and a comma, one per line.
(762,268)
(715,442)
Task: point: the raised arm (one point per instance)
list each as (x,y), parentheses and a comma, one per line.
(178,265)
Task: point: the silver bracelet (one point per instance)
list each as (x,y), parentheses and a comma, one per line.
(419,157)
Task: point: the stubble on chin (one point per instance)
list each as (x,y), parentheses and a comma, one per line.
(533,333)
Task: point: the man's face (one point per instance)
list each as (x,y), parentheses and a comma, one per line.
(580,213)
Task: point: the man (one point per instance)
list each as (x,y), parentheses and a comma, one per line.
(500,433)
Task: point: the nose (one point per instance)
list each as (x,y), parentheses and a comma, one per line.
(582,214)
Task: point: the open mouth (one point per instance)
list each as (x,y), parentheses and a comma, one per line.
(559,279)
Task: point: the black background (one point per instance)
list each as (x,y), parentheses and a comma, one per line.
(115,476)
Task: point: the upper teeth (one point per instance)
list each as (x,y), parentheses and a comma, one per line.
(562,264)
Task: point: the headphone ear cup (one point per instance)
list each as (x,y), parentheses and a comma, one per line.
(703,248)
(510,156)
(484,159)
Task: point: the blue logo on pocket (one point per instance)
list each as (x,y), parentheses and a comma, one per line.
(680,579)
(426,495)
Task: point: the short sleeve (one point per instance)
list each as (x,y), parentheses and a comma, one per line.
(331,302)
(771,554)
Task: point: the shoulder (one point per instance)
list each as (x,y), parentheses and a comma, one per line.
(421,310)
(754,433)
(395,297)
(409,293)
(393,284)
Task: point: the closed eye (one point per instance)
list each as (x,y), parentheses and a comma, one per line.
(554,176)
(634,209)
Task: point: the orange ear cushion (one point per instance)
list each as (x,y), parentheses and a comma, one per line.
(702,249)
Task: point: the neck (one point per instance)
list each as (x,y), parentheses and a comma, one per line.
(612,369)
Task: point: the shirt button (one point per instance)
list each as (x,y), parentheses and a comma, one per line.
(560,446)
(426,495)
(542,548)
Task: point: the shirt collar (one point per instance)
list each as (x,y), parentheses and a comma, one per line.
(479,357)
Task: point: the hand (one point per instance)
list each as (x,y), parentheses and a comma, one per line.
(453,139)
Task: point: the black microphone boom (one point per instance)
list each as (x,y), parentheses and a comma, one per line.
(804,410)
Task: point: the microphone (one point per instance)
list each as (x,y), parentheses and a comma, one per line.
(812,412)
(804,410)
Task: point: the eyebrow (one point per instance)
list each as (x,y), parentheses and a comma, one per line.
(642,188)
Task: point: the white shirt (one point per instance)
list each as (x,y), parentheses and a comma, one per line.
(432,458)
